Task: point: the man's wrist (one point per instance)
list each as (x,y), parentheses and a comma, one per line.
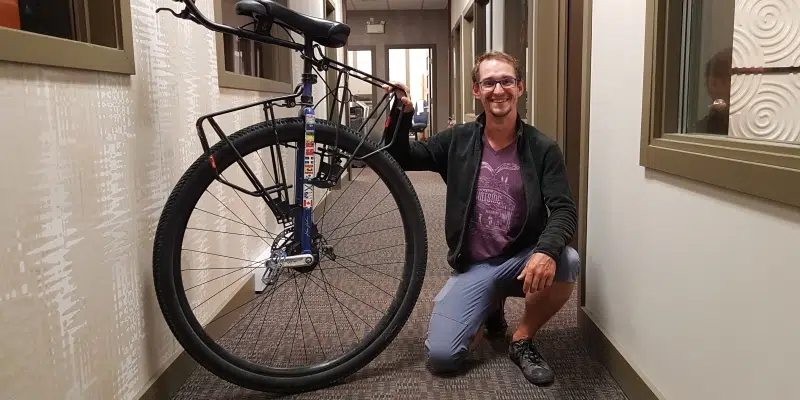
(546,253)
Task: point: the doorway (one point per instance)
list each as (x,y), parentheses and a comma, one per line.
(561,72)
(362,95)
(416,66)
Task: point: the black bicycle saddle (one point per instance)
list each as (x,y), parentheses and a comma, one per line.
(326,33)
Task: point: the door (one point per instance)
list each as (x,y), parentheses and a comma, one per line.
(415,66)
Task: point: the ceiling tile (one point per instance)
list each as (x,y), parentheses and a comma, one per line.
(358,5)
(405,4)
(434,4)
(363,5)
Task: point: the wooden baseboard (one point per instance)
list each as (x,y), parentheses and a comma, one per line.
(626,376)
(176,373)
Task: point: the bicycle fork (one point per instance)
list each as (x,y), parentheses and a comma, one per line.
(304,189)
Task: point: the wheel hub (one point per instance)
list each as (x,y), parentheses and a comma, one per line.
(287,242)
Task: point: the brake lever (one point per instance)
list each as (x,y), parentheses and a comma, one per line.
(185,14)
(171,11)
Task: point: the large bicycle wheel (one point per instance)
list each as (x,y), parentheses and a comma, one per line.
(231,314)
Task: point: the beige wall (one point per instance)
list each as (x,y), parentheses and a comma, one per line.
(408,28)
(696,286)
(90,159)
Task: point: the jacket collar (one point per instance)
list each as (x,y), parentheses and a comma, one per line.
(481,120)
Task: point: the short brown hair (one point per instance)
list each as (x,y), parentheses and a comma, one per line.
(719,66)
(495,55)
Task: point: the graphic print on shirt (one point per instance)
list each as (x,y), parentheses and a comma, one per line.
(494,205)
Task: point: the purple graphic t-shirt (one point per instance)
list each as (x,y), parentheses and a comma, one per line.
(499,203)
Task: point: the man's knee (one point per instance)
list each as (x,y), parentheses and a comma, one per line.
(569,266)
(444,357)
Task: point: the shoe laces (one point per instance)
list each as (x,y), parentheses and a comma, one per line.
(531,353)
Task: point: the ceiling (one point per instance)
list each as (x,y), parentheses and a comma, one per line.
(361,5)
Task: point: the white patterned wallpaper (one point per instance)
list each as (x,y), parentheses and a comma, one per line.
(766,106)
(89,161)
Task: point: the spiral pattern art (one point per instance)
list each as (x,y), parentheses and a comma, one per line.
(773,26)
(773,113)
(743,89)
(746,50)
(745,53)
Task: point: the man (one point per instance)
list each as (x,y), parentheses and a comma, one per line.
(718,87)
(503,177)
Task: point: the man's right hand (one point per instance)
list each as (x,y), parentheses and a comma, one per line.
(402,94)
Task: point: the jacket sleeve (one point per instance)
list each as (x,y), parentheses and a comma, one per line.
(414,155)
(563,220)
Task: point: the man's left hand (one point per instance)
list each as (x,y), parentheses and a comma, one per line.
(538,273)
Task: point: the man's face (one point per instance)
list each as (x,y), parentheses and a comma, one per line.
(499,99)
(719,88)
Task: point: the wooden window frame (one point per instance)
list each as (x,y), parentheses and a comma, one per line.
(769,170)
(34,48)
(232,80)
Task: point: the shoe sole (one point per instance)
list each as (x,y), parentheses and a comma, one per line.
(546,382)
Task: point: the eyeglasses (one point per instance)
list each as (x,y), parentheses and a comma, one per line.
(490,84)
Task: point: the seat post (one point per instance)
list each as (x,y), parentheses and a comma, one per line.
(308,78)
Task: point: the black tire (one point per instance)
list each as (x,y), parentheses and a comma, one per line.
(167,259)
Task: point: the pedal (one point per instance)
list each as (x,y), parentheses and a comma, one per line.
(272,271)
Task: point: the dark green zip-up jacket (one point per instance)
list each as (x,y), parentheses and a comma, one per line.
(455,154)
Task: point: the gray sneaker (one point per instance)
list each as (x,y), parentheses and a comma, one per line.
(535,369)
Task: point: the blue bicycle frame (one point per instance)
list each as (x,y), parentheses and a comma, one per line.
(304,160)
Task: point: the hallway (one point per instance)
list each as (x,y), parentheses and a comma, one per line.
(678,122)
(400,371)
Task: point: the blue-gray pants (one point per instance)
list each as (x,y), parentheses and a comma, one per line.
(466,299)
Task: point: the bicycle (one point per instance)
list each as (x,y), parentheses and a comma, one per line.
(301,247)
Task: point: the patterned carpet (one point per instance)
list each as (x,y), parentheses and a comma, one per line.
(400,371)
